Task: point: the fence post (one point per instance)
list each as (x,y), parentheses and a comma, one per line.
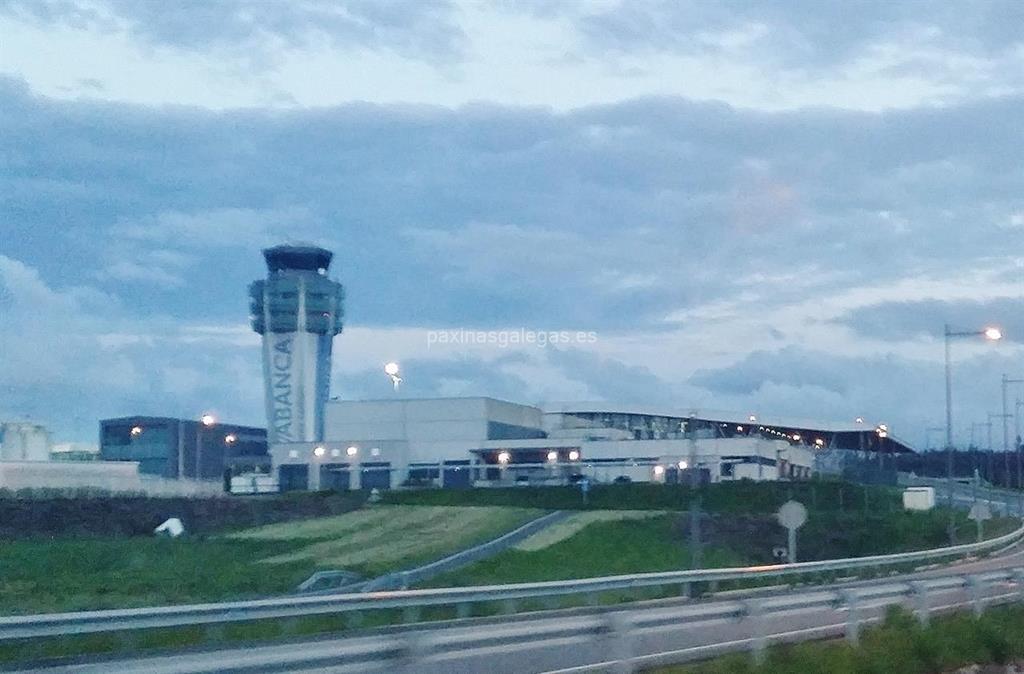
(852,602)
(975,586)
(619,634)
(411,651)
(919,590)
(758,639)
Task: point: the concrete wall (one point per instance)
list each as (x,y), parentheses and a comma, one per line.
(413,420)
(105,475)
(110,476)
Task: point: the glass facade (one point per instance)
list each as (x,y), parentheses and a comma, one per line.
(171,448)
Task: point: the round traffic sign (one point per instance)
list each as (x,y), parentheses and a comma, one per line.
(792,514)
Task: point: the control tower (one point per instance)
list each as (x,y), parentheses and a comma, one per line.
(298,310)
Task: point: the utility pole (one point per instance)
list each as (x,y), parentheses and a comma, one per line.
(695,543)
(1006,458)
(1016,448)
(1006,431)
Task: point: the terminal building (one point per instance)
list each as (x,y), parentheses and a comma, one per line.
(463,442)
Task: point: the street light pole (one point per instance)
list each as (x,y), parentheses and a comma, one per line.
(949,431)
(696,556)
(204,421)
(991,334)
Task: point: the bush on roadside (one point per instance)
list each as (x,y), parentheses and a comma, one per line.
(899,644)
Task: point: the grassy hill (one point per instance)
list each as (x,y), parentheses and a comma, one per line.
(67,574)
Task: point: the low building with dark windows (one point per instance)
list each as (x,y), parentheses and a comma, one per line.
(185,448)
(464,442)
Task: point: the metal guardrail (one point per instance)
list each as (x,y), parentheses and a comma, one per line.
(620,640)
(413,601)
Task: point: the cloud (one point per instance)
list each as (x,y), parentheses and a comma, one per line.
(800,35)
(219,227)
(130,271)
(254,29)
(926,318)
(687,234)
(611,379)
(906,393)
(74,354)
(426,378)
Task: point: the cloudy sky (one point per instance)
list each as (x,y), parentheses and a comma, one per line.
(761,206)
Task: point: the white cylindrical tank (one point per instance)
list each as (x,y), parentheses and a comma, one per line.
(23,441)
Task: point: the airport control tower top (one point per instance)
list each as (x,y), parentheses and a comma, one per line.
(297,279)
(307,258)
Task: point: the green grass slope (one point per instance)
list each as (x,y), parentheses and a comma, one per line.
(67,574)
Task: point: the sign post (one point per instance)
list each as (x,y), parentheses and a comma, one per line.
(979,513)
(792,515)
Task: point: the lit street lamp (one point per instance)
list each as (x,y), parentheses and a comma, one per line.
(391,370)
(991,334)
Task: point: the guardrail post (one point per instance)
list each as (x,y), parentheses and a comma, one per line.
(758,639)
(619,635)
(411,651)
(462,609)
(852,602)
(919,590)
(975,585)
(411,614)
(1018,577)
(686,590)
